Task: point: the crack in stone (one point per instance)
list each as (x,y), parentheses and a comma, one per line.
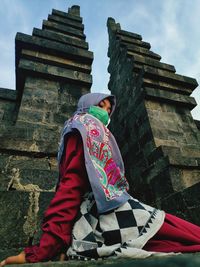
(30,224)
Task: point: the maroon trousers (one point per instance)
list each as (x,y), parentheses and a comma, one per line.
(175,235)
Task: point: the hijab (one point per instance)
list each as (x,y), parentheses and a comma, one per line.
(103,161)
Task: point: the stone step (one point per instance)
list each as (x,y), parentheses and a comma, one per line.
(66,21)
(53,48)
(8,94)
(160,78)
(32,139)
(142,51)
(141,61)
(67,30)
(66,15)
(169,97)
(60,73)
(55,61)
(60,37)
(129,34)
(132,41)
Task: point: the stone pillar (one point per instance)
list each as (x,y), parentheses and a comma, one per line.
(53,67)
(157,135)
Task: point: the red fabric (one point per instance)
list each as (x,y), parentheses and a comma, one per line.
(175,235)
(61,213)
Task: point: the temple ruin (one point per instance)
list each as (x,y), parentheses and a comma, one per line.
(157,135)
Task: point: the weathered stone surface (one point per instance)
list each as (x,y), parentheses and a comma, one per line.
(158,137)
(176,79)
(53,71)
(166,96)
(27,173)
(139,43)
(8,94)
(23,212)
(148,61)
(53,47)
(66,21)
(56,61)
(67,15)
(57,27)
(58,37)
(187,260)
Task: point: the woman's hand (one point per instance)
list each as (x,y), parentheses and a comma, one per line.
(18,259)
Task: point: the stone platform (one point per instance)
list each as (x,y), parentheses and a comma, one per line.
(183,260)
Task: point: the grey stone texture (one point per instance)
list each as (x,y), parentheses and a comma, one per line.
(154,128)
(53,67)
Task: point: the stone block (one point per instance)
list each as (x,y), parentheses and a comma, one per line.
(129,34)
(53,47)
(58,37)
(170,97)
(175,204)
(180,80)
(66,21)
(66,15)
(23,212)
(8,94)
(57,27)
(30,138)
(147,60)
(130,41)
(136,49)
(54,60)
(27,179)
(44,70)
(161,183)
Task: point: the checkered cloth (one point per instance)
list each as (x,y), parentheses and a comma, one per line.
(121,232)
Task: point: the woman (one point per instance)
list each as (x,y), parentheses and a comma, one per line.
(92,198)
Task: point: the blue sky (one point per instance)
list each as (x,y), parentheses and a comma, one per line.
(171,26)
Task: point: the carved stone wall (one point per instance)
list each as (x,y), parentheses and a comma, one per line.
(157,135)
(53,67)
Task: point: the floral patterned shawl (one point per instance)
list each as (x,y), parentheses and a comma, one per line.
(103,160)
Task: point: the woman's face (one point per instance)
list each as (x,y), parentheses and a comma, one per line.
(106,105)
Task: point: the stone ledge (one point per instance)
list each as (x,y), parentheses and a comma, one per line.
(184,260)
(66,15)
(161,75)
(59,37)
(35,139)
(130,41)
(53,71)
(170,97)
(53,47)
(8,94)
(129,34)
(68,30)
(55,61)
(175,158)
(148,61)
(66,21)
(143,51)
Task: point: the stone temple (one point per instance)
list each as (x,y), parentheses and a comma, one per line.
(157,135)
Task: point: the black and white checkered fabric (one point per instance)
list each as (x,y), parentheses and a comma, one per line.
(126,228)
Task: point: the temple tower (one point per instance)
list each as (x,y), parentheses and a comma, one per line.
(154,127)
(53,67)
